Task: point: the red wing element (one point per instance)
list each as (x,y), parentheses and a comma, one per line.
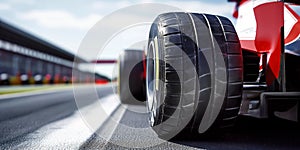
(269,19)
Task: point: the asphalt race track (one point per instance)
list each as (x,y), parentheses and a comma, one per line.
(51,120)
(248,134)
(23,114)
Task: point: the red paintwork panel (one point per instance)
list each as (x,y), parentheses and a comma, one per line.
(100,81)
(104,61)
(270,19)
(248,45)
(144,65)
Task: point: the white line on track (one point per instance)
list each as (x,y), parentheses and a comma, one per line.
(71,132)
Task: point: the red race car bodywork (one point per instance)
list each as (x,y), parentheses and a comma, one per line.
(268,27)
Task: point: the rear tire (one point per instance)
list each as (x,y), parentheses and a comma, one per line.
(131,83)
(184,100)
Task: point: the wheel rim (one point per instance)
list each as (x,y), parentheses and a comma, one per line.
(150,84)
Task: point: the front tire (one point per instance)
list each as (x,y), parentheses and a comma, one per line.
(203,91)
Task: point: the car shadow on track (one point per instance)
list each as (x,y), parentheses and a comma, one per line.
(252,133)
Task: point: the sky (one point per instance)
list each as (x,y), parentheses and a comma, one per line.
(65,23)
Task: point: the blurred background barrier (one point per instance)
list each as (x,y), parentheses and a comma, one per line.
(26,59)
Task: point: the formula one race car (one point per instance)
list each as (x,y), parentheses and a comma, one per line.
(200,72)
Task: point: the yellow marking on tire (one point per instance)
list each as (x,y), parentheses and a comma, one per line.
(156,63)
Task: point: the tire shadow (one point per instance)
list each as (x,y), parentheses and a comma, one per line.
(251,133)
